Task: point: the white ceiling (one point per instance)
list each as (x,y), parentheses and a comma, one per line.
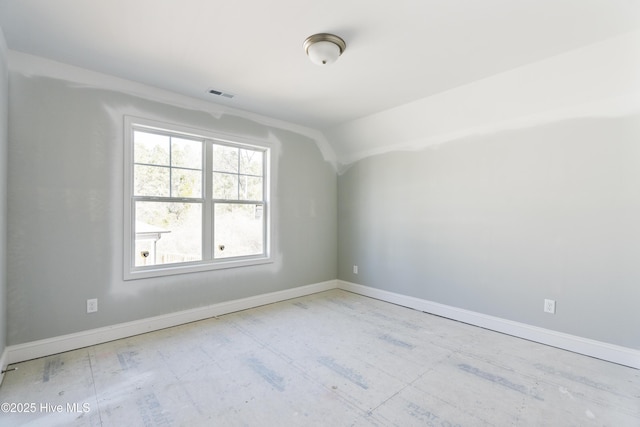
(397,52)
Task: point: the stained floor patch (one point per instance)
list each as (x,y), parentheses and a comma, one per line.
(151,411)
(267,374)
(128,359)
(51,367)
(343,371)
(428,417)
(498,380)
(395,341)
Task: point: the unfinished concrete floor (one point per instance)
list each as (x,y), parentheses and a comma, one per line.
(329,359)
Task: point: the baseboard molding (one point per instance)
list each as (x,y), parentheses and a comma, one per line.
(3,363)
(35,349)
(600,350)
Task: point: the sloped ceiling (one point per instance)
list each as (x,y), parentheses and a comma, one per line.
(397,52)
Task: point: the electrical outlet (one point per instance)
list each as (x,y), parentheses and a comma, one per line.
(550,306)
(92,305)
(355,269)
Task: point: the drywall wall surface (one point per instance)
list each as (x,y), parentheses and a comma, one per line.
(594,80)
(4,117)
(66,210)
(498,223)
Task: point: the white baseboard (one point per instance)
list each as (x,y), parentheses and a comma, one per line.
(3,363)
(32,350)
(600,350)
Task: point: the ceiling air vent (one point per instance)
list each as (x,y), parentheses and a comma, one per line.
(220,93)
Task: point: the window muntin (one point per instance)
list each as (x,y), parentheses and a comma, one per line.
(194,201)
(166,165)
(238,173)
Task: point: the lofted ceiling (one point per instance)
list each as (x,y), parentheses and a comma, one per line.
(397,52)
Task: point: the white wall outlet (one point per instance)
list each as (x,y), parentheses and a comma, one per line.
(92,305)
(355,269)
(550,306)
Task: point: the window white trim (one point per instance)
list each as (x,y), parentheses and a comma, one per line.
(208,263)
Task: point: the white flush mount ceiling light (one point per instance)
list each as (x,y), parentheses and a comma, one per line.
(323,48)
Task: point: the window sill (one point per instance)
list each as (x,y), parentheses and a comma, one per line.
(196,267)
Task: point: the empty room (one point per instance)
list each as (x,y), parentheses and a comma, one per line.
(338,213)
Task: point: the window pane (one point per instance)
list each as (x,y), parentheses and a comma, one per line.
(167,233)
(225,186)
(169,200)
(150,148)
(238,230)
(151,181)
(225,159)
(186,153)
(251,162)
(250,188)
(186,183)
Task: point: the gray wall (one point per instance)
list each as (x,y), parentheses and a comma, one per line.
(4,115)
(66,208)
(497,223)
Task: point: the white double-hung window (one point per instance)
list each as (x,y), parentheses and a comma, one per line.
(194,200)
